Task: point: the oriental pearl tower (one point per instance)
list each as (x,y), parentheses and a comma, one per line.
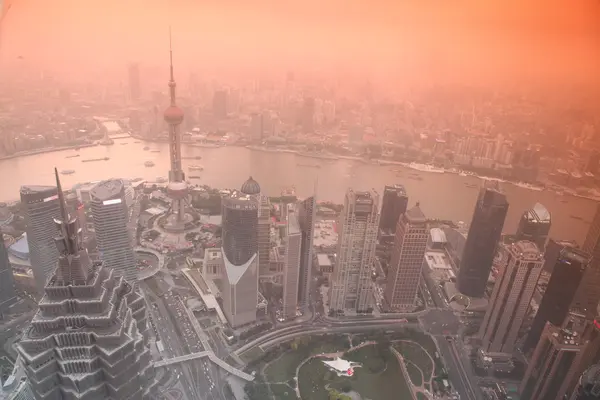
(177,189)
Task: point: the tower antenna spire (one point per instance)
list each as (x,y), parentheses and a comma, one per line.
(61,199)
(172,84)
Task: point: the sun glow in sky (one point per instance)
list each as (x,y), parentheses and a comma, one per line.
(458,40)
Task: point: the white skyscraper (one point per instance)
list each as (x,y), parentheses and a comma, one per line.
(520,266)
(352,288)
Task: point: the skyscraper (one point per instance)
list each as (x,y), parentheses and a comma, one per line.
(306,218)
(291,267)
(111,218)
(588,387)
(220,104)
(588,296)
(551,368)
(393,204)
(520,267)
(484,233)
(177,189)
(560,293)
(407,261)
(7,283)
(264,234)
(352,288)
(41,207)
(240,254)
(89,338)
(535,225)
(134,82)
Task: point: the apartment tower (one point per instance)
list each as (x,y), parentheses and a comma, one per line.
(484,233)
(407,261)
(41,208)
(520,265)
(352,287)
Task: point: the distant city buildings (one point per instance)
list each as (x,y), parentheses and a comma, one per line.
(408,254)
(7,282)
(41,208)
(480,248)
(520,265)
(134,82)
(352,287)
(111,218)
(240,254)
(393,204)
(535,226)
(560,293)
(220,104)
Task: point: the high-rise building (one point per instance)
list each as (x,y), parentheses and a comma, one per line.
(407,261)
(484,233)
(41,207)
(220,104)
(291,266)
(177,189)
(589,294)
(89,339)
(552,252)
(535,226)
(76,208)
(307,115)
(393,204)
(264,234)
(551,368)
(134,82)
(306,217)
(111,218)
(560,293)
(352,287)
(240,254)
(520,265)
(7,283)
(588,387)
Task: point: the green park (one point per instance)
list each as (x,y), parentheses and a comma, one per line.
(400,365)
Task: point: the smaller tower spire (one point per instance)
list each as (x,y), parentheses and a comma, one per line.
(172,84)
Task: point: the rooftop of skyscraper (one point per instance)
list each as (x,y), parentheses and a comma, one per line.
(526,250)
(538,213)
(36,189)
(107,190)
(563,336)
(415,215)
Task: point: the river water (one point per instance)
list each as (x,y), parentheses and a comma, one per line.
(440,195)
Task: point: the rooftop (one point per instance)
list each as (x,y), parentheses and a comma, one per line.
(538,213)
(437,235)
(323,260)
(108,190)
(30,189)
(526,249)
(415,215)
(437,260)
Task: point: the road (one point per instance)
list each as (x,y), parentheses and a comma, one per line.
(195,378)
(456,369)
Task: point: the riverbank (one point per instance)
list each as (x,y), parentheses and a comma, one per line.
(46,150)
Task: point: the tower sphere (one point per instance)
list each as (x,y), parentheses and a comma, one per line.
(173,115)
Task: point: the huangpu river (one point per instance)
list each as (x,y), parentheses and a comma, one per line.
(441,195)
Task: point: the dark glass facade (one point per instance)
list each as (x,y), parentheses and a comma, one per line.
(589,385)
(393,205)
(482,240)
(535,225)
(560,293)
(240,227)
(588,295)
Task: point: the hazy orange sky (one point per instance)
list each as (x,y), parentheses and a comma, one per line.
(463,39)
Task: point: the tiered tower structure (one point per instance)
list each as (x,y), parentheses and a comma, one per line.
(177,189)
(88,339)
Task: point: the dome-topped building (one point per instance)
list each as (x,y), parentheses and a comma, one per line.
(250,187)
